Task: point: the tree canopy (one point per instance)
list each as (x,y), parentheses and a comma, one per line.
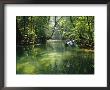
(39,29)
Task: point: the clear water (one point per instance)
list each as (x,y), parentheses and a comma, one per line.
(53,58)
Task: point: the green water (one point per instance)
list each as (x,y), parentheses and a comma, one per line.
(53,58)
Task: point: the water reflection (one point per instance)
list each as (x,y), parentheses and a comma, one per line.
(53,58)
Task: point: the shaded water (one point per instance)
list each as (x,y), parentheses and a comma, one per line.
(53,58)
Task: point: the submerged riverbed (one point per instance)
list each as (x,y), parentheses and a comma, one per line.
(53,58)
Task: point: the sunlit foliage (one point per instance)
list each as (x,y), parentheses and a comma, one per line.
(38,29)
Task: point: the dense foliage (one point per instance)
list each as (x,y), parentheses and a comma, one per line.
(39,29)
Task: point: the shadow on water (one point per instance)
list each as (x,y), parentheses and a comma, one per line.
(53,58)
